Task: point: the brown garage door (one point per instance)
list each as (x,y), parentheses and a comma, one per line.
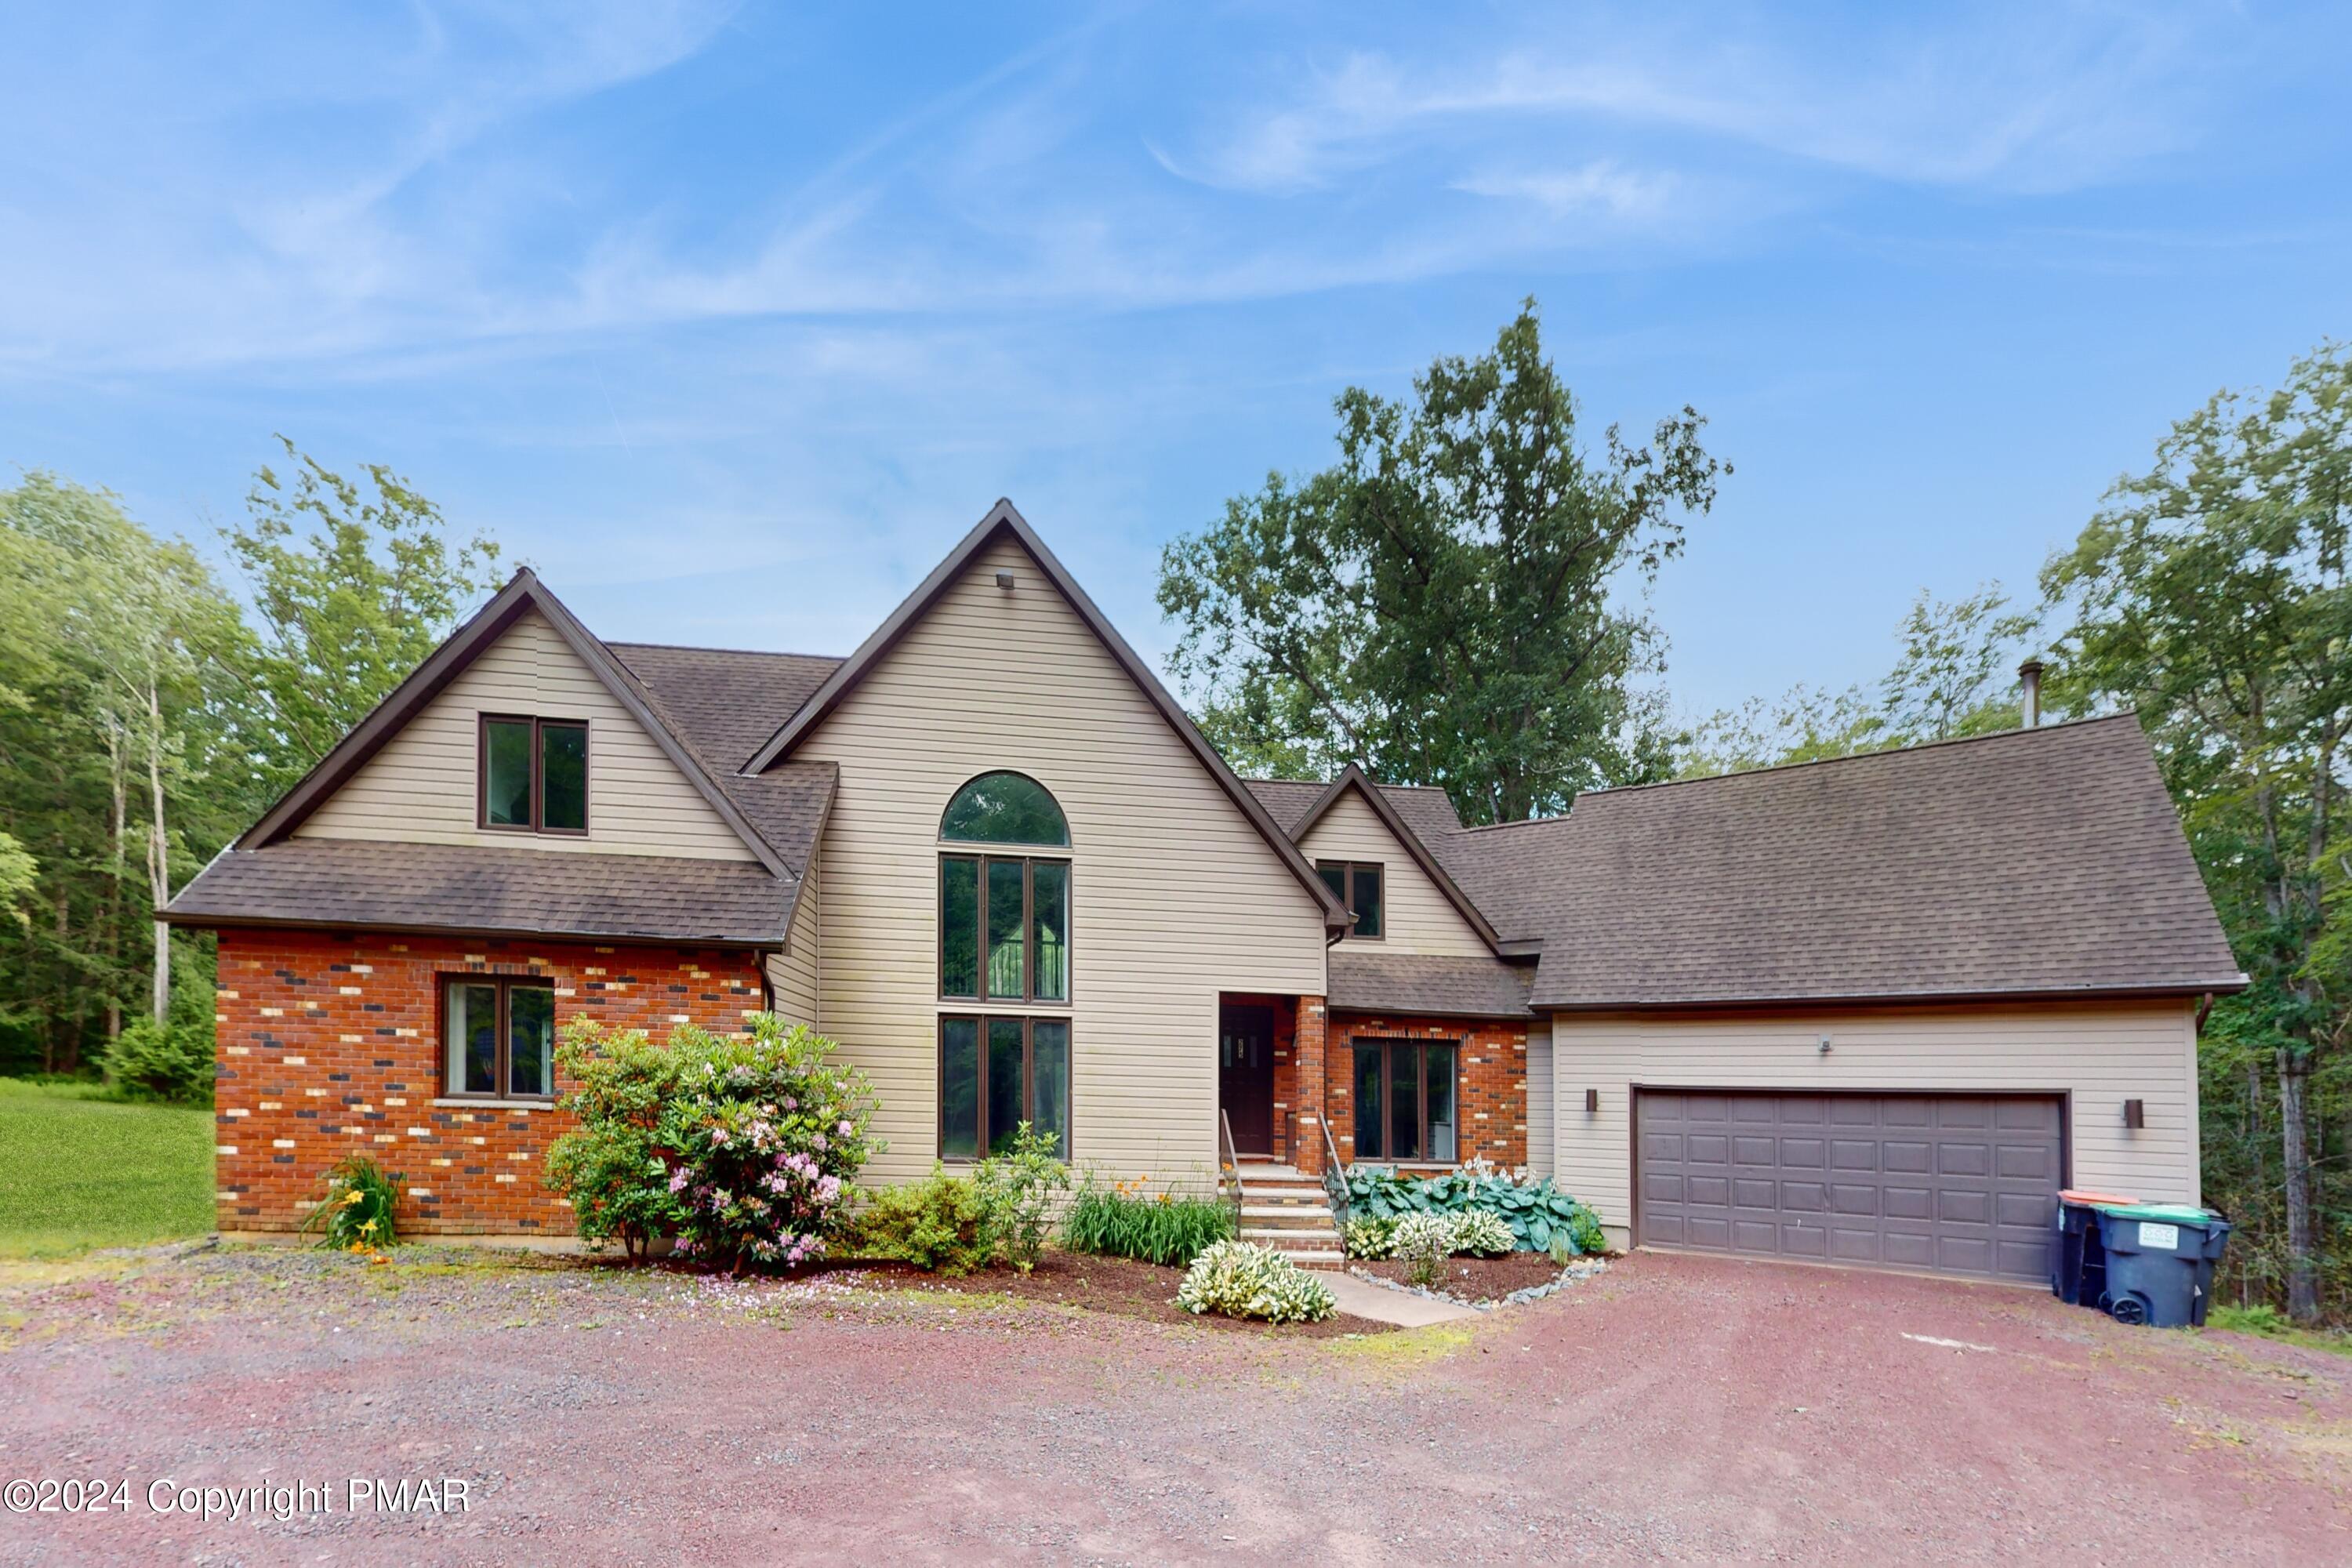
(1943,1183)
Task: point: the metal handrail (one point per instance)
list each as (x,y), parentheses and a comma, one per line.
(1335,1180)
(1233,1162)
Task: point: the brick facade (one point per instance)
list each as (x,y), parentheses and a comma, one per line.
(330,1044)
(1492,1079)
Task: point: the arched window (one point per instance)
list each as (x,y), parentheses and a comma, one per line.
(1005,937)
(1005,808)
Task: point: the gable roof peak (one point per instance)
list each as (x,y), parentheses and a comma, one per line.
(1005,518)
(524,594)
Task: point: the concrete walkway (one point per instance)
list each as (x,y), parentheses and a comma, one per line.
(1360,1299)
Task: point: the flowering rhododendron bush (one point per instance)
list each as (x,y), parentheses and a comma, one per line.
(742,1148)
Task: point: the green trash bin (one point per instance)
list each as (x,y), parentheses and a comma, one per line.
(2159,1262)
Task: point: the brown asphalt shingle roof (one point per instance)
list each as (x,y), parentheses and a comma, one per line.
(2037,862)
(491,889)
(1427,812)
(1364,979)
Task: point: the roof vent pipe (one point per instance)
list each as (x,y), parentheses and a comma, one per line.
(2029,675)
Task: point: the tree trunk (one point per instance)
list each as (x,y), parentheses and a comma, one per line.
(158,869)
(117,782)
(2302,1267)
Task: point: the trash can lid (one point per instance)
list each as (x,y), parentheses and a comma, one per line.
(2169,1214)
(2072,1196)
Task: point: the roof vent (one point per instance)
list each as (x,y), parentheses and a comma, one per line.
(2029,675)
(1005,581)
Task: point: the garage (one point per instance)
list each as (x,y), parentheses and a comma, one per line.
(1962,1185)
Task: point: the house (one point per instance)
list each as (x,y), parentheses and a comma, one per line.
(1876,1010)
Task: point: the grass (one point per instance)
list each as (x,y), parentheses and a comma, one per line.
(2270,1324)
(78,1171)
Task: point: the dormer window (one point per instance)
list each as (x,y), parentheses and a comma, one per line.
(534,774)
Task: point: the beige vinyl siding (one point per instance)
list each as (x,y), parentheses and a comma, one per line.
(793,973)
(2100,1055)
(1175,897)
(1539,1113)
(1418,917)
(421,788)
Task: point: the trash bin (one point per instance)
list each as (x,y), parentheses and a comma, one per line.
(2159,1262)
(2078,1268)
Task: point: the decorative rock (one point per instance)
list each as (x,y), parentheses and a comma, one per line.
(1575,1273)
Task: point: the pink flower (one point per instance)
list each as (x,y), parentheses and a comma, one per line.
(846,1130)
(678,1179)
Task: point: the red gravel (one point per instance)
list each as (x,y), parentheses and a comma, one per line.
(1673,1407)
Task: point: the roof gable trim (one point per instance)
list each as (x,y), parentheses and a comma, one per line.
(1003,518)
(1354,777)
(523,593)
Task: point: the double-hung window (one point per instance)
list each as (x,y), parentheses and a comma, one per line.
(533,775)
(498,1034)
(1356,885)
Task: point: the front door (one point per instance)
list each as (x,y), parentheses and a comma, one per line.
(1245,1076)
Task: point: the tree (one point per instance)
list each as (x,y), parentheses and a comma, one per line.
(354,586)
(1951,677)
(1444,605)
(116,684)
(2211,592)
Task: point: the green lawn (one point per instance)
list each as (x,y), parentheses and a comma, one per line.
(77,1170)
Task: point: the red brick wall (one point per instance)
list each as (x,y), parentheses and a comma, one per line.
(331,1045)
(1492,1083)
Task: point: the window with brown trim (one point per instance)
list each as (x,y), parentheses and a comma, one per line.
(1004,928)
(1405,1101)
(533,775)
(996,1073)
(497,1037)
(1356,885)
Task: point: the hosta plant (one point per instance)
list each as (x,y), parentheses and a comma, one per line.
(1242,1279)
(1371,1237)
(1421,1242)
(1537,1212)
(1483,1233)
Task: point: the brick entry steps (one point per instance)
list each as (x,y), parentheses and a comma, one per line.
(1284,1208)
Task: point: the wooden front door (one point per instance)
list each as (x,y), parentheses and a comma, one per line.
(1245,1076)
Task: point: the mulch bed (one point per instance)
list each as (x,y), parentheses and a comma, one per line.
(1478,1278)
(1120,1285)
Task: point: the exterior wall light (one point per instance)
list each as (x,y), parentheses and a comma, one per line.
(1824,1045)
(2134,1113)
(1591,1101)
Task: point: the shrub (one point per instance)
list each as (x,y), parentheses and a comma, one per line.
(743,1148)
(1021,1183)
(171,1061)
(1421,1242)
(356,1213)
(1535,1211)
(943,1225)
(1371,1236)
(1478,1231)
(1241,1280)
(1119,1221)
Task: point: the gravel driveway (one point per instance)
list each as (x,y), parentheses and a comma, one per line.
(1674,1407)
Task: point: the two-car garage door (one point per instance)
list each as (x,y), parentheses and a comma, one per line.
(1947,1183)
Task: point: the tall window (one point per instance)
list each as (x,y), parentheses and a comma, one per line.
(1405,1101)
(1356,885)
(996,1073)
(534,774)
(498,1034)
(1005,916)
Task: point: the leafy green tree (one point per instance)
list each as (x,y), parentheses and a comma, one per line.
(2211,592)
(118,679)
(1953,675)
(354,582)
(1445,604)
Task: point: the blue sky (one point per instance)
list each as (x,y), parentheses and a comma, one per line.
(730,320)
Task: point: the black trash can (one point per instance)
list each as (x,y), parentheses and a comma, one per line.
(2159,1262)
(2078,1268)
